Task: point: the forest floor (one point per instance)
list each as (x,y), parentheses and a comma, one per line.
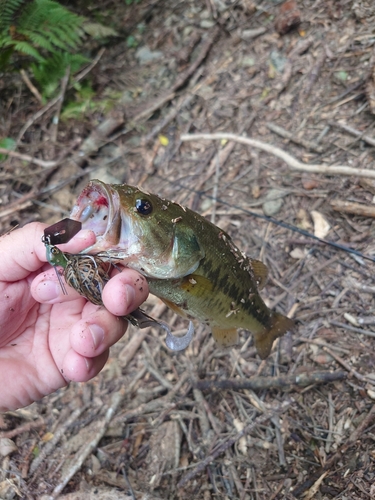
(213,423)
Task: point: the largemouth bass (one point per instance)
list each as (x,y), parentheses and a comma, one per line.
(191,264)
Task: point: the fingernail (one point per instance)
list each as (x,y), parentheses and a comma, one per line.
(48,291)
(89,363)
(97,334)
(130,296)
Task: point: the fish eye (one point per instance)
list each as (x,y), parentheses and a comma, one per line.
(143,207)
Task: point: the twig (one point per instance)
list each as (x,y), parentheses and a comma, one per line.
(346,365)
(353,131)
(41,163)
(15,208)
(50,445)
(128,353)
(56,99)
(283,155)
(31,86)
(230,442)
(331,412)
(23,428)
(203,419)
(158,376)
(90,447)
(338,455)
(321,343)
(353,328)
(286,382)
(350,207)
(279,441)
(297,140)
(56,118)
(28,198)
(87,70)
(314,73)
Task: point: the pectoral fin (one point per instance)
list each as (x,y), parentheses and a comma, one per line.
(225,337)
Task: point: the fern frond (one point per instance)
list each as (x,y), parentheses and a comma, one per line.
(51,70)
(53,21)
(25,48)
(40,41)
(8,12)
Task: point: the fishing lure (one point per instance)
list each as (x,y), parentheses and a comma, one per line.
(89,274)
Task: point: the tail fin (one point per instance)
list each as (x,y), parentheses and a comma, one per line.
(279,326)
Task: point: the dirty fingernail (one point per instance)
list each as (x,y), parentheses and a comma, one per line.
(97,334)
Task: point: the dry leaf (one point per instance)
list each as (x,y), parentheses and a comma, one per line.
(297,253)
(321,226)
(7,446)
(310,494)
(242,444)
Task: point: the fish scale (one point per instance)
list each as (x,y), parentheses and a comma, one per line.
(191,264)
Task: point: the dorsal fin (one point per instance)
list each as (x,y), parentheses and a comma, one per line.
(260,271)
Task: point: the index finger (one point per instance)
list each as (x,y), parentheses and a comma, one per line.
(22,250)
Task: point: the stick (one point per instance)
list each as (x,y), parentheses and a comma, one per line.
(349,207)
(283,155)
(353,131)
(41,163)
(31,86)
(51,445)
(346,365)
(292,137)
(56,118)
(351,328)
(230,442)
(314,73)
(259,383)
(90,447)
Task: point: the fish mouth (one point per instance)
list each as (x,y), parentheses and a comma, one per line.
(98,208)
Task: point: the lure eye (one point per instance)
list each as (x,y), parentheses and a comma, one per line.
(143,207)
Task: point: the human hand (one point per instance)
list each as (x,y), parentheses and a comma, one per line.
(47,338)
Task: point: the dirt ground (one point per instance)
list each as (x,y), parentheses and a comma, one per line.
(212,423)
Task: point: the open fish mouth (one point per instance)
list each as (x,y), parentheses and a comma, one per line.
(99,209)
(94,208)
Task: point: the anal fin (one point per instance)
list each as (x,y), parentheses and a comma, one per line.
(225,337)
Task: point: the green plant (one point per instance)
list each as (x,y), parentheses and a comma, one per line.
(7,143)
(41,35)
